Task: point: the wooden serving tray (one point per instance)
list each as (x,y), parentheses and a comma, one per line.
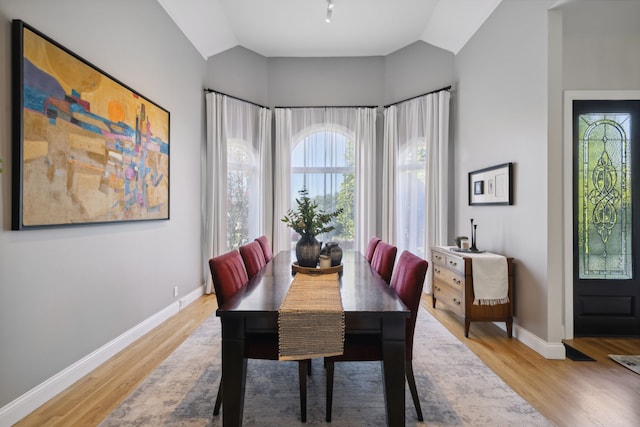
(295,268)
(467,251)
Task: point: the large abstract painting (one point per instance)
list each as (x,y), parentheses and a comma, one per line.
(87,148)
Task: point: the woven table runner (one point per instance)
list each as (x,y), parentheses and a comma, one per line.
(311,318)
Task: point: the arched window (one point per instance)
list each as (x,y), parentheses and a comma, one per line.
(322,161)
(331,152)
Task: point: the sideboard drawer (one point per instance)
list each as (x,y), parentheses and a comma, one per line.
(449,296)
(439,272)
(455,263)
(454,279)
(439,258)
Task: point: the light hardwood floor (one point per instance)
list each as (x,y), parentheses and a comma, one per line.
(568,393)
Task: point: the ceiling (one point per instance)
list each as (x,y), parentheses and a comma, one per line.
(297,28)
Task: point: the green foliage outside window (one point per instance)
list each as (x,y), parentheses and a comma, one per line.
(345,227)
(237,209)
(345,200)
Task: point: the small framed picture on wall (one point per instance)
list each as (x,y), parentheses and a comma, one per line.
(492,185)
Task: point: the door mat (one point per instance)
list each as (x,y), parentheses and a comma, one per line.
(628,361)
(577,355)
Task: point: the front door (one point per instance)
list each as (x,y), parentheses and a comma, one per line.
(606,244)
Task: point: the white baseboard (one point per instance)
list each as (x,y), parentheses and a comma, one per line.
(545,349)
(548,350)
(42,393)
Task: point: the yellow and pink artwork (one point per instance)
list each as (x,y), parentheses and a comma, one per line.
(91,149)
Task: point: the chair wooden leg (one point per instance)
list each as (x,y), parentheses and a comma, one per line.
(216,408)
(329,392)
(309,367)
(303,367)
(414,391)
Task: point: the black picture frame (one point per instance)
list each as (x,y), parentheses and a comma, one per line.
(87,149)
(492,185)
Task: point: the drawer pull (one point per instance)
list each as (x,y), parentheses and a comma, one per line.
(437,270)
(453,263)
(456,281)
(438,257)
(438,289)
(455,300)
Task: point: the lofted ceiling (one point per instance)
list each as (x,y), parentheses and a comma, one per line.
(297,28)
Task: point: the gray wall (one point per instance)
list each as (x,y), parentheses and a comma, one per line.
(416,69)
(508,106)
(66,292)
(239,72)
(346,81)
(601,45)
(501,116)
(326,81)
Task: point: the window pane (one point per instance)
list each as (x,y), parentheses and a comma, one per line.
(323,150)
(604,196)
(323,163)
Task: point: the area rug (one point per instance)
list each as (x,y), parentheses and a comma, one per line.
(628,361)
(455,387)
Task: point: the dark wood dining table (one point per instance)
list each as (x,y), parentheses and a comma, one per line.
(370,306)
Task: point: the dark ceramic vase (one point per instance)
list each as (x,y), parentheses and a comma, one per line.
(335,252)
(308,251)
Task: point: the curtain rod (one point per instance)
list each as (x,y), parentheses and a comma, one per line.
(418,96)
(330,106)
(234,97)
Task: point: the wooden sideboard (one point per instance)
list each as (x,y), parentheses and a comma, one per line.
(453,288)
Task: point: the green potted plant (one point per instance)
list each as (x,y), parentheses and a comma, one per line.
(309,221)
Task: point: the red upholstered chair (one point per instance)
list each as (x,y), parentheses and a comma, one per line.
(371,247)
(384,257)
(229,276)
(253,258)
(407,282)
(266,248)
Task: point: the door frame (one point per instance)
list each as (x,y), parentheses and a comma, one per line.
(569,97)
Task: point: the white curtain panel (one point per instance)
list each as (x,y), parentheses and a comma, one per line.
(266,176)
(365,147)
(214,185)
(418,135)
(233,123)
(438,142)
(437,199)
(389,178)
(282,179)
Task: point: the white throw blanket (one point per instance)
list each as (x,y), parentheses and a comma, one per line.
(490,279)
